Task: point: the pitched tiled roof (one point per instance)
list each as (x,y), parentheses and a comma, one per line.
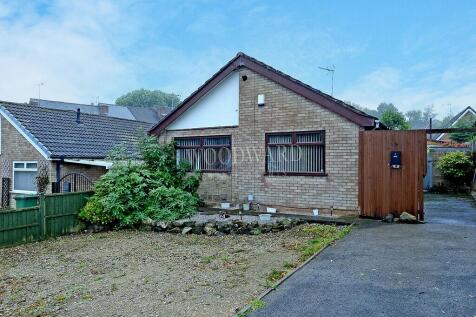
(242,60)
(144,114)
(59,135)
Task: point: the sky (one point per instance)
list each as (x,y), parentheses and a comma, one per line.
(411,53)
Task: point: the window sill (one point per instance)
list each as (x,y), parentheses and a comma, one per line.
(23,192)
(295,174)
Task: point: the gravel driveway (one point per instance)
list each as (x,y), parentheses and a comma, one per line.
(134,273)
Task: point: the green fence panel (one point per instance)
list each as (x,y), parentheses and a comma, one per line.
(61,212)
(19,226)
(57,214)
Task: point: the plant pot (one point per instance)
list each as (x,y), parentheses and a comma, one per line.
(271,210)
(225,205)
(246,207)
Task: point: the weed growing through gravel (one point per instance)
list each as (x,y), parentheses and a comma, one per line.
(258,304)
(60,298)
(289,266)
(254,305)
(276,275)
(208,259)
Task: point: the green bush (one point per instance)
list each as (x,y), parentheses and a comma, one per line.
(94,212)
(154,187)
(457,168)
(170,203)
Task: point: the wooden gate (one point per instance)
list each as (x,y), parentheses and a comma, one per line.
(383,189)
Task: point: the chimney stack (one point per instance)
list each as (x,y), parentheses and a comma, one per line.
(103,109)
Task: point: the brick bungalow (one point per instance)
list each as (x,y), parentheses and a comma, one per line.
(66,142)
(259,134)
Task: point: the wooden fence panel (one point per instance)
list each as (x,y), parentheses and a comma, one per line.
(19,226)
(61,212)
(56,215)
(384,190)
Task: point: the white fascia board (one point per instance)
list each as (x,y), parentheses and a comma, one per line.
(101,163)
(25,133)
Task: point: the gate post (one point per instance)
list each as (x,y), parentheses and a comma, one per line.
(42,216)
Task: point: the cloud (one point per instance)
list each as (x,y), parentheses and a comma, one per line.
(448,90)
(66,47)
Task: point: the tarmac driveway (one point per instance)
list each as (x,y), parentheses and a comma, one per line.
(391,269)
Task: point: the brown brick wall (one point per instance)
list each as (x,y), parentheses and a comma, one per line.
(214,186)
(285,111)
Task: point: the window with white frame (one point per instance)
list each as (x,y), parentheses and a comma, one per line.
(24,177)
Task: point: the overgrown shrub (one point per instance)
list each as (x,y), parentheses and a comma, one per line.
(170,203)
(457,168)
(154,187)
(94,212)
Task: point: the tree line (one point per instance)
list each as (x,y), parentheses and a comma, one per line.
(395,119)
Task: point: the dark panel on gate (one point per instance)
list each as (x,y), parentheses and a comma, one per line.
(395,159)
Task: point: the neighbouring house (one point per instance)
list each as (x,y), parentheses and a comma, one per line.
(144,114)
(258,134)
(440,144)
(72,145)
(467,113)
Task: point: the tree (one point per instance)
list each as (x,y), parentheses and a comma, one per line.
(368,111)
(384,106)
(428,113)
(148,98)
(394,120)
(465,122)
(415,118)
(421,119)
(445,122)
(457,168)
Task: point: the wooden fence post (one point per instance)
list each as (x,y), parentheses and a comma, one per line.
(42,216)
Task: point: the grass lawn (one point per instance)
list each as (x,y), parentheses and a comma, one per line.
(145,273)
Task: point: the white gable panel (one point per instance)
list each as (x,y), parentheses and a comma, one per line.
(218,108)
